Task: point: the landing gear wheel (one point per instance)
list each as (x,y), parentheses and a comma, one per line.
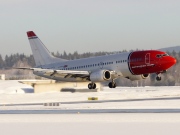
(158,78)
(92,86)
(112,85)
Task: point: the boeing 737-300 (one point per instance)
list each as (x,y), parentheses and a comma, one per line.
(134,65)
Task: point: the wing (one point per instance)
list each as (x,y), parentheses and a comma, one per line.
(59,73)
(66,73)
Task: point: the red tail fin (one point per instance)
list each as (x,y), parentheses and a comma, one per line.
(31,34)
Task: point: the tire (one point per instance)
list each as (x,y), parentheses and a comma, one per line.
(114,85)
(90,86)
(158,78)
(110,85)
(94,86)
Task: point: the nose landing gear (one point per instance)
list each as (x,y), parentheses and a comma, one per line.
(158,78)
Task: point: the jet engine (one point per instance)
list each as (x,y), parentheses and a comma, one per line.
(138,77)
(101,75)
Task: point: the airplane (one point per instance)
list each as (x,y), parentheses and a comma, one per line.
(133,65)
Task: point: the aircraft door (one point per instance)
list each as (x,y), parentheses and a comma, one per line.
(147,58)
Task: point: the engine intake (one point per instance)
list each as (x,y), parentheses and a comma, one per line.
(138,77)
(144,76)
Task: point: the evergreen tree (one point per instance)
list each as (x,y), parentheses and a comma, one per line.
(1,62)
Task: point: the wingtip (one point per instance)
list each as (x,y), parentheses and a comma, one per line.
(31,34)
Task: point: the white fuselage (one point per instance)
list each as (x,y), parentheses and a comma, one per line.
(115,62)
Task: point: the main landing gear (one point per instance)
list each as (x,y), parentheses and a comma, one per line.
(92,86)
(112,84)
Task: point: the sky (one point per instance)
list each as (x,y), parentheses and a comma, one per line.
(89,25)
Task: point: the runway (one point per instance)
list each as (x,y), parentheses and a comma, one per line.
(99,101)
(12,108)
(89,111)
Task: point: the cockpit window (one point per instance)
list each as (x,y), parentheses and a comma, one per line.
(161,55)
(165,54)
(158,55)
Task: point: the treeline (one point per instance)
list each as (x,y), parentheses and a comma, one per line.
(11,60)
(76,55)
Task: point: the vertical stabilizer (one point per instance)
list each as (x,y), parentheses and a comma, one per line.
(41,54)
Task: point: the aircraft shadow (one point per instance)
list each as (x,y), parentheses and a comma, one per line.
(28,90)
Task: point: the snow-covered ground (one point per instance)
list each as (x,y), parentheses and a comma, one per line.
(12,92)
(88,124)
(14,87)
(123,110)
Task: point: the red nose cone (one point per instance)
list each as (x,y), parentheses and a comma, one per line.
(173,61)
(167,62)
(170,61)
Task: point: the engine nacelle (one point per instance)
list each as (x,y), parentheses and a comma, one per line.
(101,75)
(144,76)
(138,77)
